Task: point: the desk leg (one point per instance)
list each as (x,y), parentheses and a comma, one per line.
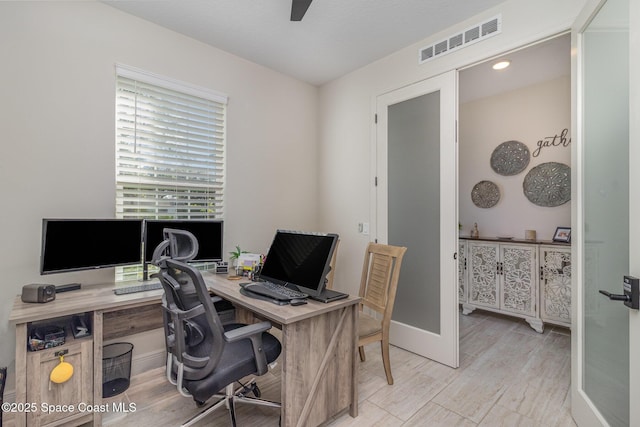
(318,376)
(355,361)
(98,336)
(21,372)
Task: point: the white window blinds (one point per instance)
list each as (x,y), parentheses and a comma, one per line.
(170,140)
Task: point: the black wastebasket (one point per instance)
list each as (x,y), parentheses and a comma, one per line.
(116,368)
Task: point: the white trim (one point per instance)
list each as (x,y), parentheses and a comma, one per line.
(634,204)
(441,347)
(373,165)
(147,361)
(583,411)
(170,83)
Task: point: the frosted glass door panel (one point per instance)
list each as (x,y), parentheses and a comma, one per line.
(414,207)
(606,212)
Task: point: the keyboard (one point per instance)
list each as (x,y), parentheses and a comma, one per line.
(274,291)
(137,288)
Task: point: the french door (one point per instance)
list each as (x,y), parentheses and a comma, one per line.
(606,210)
(416,207)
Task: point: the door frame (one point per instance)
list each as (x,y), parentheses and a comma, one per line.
(422,342)
(634,202)
(583,411)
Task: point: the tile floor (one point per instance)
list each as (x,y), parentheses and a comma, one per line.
(509,375)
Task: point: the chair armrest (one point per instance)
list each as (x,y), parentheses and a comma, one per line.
(246,331)
(252,332)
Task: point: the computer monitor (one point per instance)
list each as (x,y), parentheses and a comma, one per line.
(208,233)
(300,259)
(84,244)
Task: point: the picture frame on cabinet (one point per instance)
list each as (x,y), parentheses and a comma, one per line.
(562,234)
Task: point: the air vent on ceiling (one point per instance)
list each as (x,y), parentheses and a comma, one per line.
(457,41)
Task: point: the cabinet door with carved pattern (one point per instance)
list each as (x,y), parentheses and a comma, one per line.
(483,276)
(519,280)
(462,271)
(555,285)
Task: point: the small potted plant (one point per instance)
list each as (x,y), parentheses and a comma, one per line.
(233,259)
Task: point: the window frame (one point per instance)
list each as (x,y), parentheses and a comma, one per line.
(193,178)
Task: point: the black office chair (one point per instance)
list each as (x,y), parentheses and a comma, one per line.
(205,357)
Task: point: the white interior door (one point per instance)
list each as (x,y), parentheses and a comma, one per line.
(606,210)
(416,207)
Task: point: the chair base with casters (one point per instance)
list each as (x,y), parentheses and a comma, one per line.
(227,400)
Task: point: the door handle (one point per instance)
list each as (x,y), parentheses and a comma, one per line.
(631,293)
(615,297)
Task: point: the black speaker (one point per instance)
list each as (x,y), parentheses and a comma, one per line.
(35,292)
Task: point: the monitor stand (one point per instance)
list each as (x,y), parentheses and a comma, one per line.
(329,295)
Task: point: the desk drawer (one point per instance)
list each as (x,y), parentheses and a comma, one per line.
(131,321)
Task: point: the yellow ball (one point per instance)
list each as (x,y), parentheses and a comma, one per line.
(61,373)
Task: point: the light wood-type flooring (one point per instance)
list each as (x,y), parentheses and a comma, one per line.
(509,375)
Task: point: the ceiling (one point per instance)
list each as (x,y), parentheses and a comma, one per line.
(334,37)
(534,64)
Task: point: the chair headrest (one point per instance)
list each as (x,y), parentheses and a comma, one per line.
(178,245)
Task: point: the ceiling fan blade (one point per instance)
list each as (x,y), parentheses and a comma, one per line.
(299,8)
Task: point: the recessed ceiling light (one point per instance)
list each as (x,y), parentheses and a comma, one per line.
(501,65)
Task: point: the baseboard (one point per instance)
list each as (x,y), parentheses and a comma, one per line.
(145,362)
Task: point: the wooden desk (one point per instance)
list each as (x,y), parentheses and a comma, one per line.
(319,372)
(320,366)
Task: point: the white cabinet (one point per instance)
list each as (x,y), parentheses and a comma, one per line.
(555,285)
(519,288)
(504,277)
(483,280)
(462,271)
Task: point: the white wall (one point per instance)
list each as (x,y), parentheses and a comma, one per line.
(528,115)
(57,118)
(347,106)
(285,148)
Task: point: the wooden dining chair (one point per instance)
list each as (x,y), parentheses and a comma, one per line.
(332,264)
(378,285)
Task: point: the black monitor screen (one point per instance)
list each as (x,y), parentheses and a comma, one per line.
(207,232)
(82,244)
(300,259)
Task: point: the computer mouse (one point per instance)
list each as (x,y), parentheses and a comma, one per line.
(298,301)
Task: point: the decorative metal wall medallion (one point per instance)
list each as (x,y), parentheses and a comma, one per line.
(510,158)
(485,194)
(548,184)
